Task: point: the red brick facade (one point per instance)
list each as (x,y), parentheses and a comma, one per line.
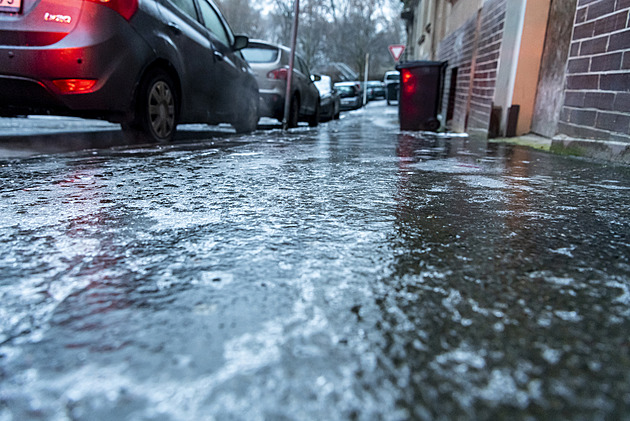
(597,96)
(458,49)
(473,54)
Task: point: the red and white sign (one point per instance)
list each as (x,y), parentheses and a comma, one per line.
(396,51)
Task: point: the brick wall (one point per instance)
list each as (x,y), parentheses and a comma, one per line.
(474,50)
(487,63)
(458,49)
(597,90)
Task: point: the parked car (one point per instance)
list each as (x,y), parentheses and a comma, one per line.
(148,64)
(270,63)
(392,85)
(351,95)
(330,102)
(375,90)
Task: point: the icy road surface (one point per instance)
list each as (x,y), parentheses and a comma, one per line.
(348,272)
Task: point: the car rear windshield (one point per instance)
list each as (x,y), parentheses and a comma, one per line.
(346,91)
(260,54)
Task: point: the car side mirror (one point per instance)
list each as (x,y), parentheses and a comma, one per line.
(240,42)
(316,78)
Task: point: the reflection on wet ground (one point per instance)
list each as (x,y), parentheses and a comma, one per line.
(344,272)
(35,135)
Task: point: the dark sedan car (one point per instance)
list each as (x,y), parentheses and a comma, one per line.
(270,62)
(148,64)
(375,90)
(351,95)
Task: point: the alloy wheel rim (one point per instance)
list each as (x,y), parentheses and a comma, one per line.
(161,109)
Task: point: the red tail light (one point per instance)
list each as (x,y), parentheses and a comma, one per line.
(280,74)
(408,81)
(126,8)
(74,85)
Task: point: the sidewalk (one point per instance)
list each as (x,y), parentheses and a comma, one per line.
(531,140)
(596,149)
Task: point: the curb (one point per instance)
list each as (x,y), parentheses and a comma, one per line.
(598,149)
(530,140)
(602,150)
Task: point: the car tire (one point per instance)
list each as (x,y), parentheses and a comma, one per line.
(433,125)
(157,105)
(247,120)
(313,120)
(294,112)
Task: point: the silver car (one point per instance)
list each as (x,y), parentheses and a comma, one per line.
(148,64)
(270,62)
(351,95)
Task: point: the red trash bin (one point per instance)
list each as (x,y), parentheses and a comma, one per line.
(420,97)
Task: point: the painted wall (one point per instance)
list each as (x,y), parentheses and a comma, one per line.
(461,11)
(429,25)
(529,59)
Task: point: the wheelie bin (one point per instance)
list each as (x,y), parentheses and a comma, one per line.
(420,97)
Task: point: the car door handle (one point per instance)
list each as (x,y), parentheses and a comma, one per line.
(218,55)
(173,27)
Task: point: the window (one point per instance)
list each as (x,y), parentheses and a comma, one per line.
(186,6)
(260,54)
(212,21)
(301,66)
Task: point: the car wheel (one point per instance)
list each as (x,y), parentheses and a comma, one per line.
(313,120)
(336,112)
(294,112)
(247,119)
(433,125)
(156,108)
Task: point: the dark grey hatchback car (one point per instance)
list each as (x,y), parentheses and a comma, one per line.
(147,64)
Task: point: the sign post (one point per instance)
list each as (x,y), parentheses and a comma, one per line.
(365,78)
(396,51)
(287,96)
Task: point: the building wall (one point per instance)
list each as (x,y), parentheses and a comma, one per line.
(413,21)
(473,49)
(433,20)
(529,59)
(427,26)
(491,28)
(597,95)
(458,49)
(550,89)
(496,60)
(459,13)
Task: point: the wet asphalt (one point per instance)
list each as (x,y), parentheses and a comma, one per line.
(345,272)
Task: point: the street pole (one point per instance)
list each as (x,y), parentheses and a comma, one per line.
(287,95)
(365,77)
